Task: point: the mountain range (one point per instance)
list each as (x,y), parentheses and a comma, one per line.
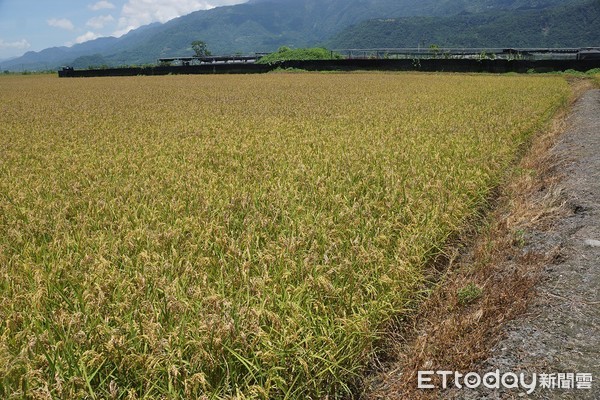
(265,25)
(572,24)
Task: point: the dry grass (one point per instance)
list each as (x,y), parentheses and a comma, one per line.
(448,333)
(233,236)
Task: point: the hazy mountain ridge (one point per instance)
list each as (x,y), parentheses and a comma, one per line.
(54,57)
(265,25)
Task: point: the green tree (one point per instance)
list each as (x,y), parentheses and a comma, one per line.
(200,48)
(285,53)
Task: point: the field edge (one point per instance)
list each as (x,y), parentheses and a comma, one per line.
(486,276)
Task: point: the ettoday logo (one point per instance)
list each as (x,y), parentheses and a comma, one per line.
(497,380)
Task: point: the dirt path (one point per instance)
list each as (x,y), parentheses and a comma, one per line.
(560,331)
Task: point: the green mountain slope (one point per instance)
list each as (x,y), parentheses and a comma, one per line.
(263,26)
(561,26)
(258,27)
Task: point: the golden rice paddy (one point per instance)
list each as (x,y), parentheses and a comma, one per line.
(234,236)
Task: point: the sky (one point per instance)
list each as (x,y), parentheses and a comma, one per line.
(33,25)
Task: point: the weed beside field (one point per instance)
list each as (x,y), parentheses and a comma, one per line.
(234,236)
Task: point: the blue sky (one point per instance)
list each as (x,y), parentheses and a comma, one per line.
(33,25)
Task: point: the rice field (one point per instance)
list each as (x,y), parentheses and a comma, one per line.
(234,236)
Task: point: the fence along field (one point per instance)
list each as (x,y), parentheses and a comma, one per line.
(234,236)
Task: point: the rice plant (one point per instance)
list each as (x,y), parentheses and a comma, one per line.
(234,236)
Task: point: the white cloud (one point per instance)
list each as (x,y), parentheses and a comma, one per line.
(136,13)
(101,5)
(87,36)
(19,44)
(100,21)
(61,23)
